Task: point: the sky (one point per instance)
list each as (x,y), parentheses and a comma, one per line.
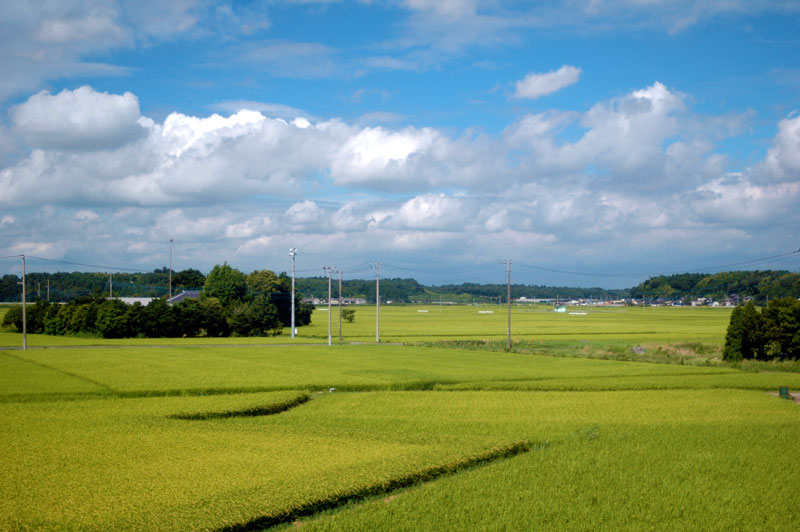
(589,142)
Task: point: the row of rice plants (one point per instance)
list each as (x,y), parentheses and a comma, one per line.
(643,457)
(21,378)
(688,381)
(138,371)
(126,464)
(730,464)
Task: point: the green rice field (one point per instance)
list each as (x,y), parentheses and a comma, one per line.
(265,435)
(420,323)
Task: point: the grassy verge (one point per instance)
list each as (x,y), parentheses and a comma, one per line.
(681,353)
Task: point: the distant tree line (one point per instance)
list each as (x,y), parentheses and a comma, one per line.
(409,290)
(232,303)
(66,286)
(491,291)
(760,286)
(772,332)
(400,290)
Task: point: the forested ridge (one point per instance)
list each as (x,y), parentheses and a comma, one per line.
(758,285)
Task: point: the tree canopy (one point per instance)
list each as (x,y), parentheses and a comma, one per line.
(771,333)
(226,284)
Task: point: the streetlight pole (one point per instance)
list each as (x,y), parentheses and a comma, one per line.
(292,253)
(24,317)
(170,268)
(329,270)
(508,297)
(377,267)
(340,305)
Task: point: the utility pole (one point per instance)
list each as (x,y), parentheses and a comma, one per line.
(48,290)
(292,253)
(507,262)
(329,270)
(24,316)
(340,305)
(110,286)
(170,268)
(377,267)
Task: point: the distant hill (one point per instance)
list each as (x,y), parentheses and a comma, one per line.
(759,285)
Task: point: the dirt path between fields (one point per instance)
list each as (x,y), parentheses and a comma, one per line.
(794,395)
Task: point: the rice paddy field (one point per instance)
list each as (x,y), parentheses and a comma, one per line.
(248,434)
(413,323)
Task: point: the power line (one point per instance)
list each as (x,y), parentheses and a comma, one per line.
(84,265)
(652,274)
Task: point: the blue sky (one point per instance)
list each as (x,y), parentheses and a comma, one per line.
(614,139)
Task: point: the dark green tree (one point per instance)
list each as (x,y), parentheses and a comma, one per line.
(263,282)
(190,317)
(158,320)
(782,317)
(226,284)
(214,321)
(745,337)
(112,319)
(13,318)
(188,279)
(256,318)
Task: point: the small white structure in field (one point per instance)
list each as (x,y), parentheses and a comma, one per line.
(560,308)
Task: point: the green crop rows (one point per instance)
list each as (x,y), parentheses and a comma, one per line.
(390,437)
(407,323)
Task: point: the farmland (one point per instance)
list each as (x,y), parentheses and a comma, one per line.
(410,323)
(193,435)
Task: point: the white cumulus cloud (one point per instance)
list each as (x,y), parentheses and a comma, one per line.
(783,158)
(536,85)
(83,119)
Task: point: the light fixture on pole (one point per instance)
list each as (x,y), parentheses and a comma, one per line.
(293,254)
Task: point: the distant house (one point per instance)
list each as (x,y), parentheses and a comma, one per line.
(144,301)
(335,301)
(185,294)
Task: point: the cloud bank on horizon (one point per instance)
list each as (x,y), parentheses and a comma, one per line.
(439,136)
